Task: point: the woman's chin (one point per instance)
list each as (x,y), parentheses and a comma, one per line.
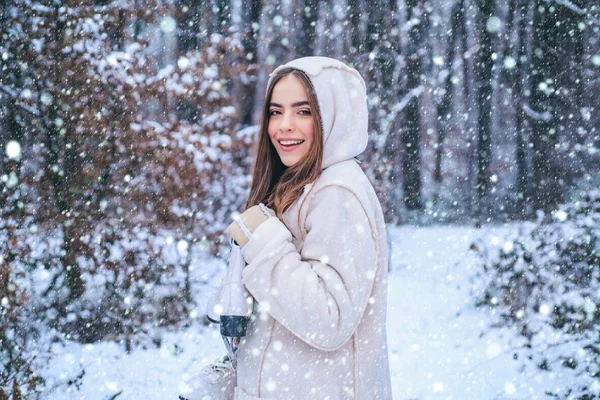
(289,161)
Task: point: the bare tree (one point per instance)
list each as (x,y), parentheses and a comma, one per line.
(556,41)
(488,26)
(418,22)
(445,106)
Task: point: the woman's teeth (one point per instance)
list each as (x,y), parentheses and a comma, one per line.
(290,142)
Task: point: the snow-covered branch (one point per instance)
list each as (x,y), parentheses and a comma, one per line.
(578,10)
(398,107)
(539,116)
(415,92)
(11,92)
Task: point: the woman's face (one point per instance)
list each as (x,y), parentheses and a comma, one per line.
(291,126)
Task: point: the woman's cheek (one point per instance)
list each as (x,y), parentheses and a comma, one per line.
(271,130)
(309,130)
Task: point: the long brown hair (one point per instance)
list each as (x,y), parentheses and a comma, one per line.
(274,184)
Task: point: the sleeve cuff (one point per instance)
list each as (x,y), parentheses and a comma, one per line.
(269,230)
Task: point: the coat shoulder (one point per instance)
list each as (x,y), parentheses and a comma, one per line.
(346,174)
(349,176)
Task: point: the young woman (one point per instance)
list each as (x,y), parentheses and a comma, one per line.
(318,268)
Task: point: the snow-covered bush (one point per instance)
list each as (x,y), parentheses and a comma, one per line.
(129,170)
(545,280)
(16,329)
(136,280)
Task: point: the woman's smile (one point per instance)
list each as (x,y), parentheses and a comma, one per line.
(289,144)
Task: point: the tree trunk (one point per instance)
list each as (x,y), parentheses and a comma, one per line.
(556,39)
(484,100)
(63,172)
(376,10)
(467,120)
(189,25)
(356,38)
(309,10)
(444,110)
(412,134)
(223,16)
(251,10)
(519,81)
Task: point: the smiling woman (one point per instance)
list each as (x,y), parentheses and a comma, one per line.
(291,125)
(317,269)
(290,144)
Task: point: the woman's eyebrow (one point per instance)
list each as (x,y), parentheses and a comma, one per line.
(301,103)
(296,104)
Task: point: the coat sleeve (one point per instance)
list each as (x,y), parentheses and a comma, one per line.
(320,293)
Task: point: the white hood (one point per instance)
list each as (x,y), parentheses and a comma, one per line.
(341,93)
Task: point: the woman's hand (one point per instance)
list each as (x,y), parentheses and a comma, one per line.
(251,218)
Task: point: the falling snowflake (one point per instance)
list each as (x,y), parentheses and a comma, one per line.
(509,62)
(493,24)
(561,215)
(13,150)
(168,25)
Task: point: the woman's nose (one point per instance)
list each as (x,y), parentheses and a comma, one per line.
(286,123)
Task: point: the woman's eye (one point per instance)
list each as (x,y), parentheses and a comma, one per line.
(273,112)
(305,112)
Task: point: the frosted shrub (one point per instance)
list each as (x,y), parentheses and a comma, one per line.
(16,371)
(546,281)
(120,170)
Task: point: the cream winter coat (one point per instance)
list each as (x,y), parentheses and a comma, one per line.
(320,285)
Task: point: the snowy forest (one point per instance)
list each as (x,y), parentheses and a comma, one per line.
(127,133)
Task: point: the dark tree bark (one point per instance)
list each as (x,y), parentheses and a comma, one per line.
(198,19)
(118,34)
(66,183)
(483,75)
(354,10)
(11,129)
(223,16)
(412,134)
(556,41)
(251,10)
(376,10)
(468,122)
(306,35)
(189,38)
(384,77)
(63,168)
(190,23)
(444,110)
(521,10)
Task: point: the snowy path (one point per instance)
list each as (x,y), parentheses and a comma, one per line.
(437,350)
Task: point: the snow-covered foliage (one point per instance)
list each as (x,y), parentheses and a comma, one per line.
(119,175)
(545,279)
(440,345)
(17,328)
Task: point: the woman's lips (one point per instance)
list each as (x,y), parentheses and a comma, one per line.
(289,148)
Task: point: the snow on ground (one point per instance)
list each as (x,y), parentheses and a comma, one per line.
(441,346)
